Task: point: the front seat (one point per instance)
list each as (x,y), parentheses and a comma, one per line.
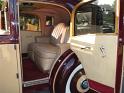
(46,49)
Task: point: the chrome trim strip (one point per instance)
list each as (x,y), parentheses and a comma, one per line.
(36,82)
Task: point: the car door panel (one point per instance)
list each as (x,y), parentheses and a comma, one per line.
(98,43)
(96,61)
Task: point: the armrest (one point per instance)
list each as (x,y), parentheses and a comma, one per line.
(40,39)
(63,47)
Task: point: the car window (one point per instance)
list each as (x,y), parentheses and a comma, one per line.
(96,17)
(29,22)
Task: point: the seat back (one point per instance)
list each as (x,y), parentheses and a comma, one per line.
(58,34)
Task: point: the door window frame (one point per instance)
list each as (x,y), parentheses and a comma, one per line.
(88,2)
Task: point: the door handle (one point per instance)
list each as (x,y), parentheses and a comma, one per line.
(86,48)
(102,49)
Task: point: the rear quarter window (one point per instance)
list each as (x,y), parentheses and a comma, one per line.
(29,22)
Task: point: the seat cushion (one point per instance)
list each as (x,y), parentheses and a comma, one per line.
(45,55)
(32,46)
(46,50)
(44,64)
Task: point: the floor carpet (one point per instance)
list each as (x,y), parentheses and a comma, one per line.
(37,89)
(31,72)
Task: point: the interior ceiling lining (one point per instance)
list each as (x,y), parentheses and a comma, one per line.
(65,3)
(41,7)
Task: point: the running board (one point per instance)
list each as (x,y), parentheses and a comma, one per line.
(35,82)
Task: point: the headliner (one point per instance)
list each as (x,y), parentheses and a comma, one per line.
(69,4)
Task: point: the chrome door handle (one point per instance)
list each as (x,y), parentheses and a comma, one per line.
(86,48)
(102,49)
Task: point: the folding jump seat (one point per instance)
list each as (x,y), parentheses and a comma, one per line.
(46,49)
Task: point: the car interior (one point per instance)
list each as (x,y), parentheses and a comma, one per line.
(44,31)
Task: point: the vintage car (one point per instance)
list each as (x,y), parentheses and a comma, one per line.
(61,46)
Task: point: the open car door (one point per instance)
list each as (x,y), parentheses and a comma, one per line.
(98,43)
(10,75)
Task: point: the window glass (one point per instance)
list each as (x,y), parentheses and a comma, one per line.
(96,17)
(49,21)
(29,22)
(4,19)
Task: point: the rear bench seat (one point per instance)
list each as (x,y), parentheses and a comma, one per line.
(45,50)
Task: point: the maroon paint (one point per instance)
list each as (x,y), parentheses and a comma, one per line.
(64,72)
(120,49)
(100,87)
(53,71)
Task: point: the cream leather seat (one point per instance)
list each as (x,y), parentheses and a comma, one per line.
(46,49)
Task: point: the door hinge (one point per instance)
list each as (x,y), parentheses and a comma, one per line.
(17,75)
(15,46)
